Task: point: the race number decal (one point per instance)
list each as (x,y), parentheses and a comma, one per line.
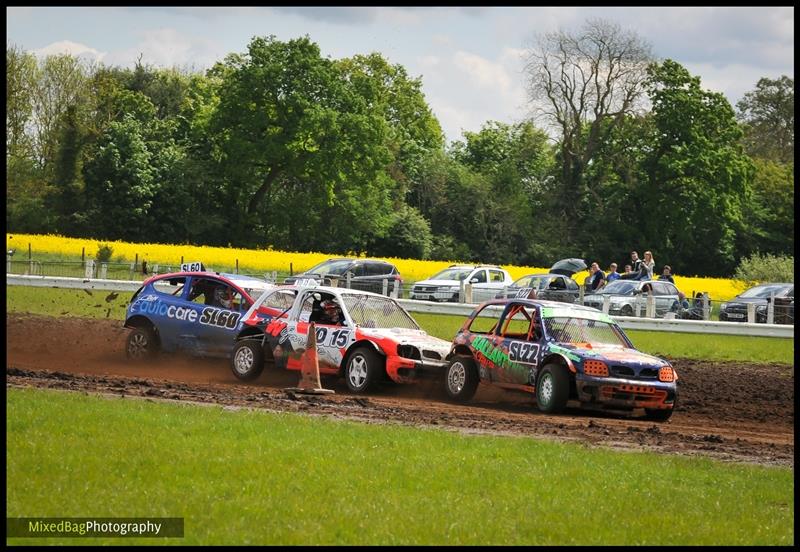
(523,352)
(332,338)
(219,318)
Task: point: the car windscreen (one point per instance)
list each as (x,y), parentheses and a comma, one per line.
(452,274)
(582,330)
(620,287)
(336,268)
(370,311)
(764,291)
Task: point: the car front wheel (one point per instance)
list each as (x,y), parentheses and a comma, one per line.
(363,370)
(552,389)
(247,360)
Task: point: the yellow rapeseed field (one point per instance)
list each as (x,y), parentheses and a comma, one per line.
(250,260)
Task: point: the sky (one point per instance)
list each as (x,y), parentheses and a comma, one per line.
(470,59)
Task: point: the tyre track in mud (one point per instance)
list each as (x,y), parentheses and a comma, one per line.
(727,410)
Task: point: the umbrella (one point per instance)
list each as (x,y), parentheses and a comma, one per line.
(568,267)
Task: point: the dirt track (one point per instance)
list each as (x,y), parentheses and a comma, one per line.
(726,410)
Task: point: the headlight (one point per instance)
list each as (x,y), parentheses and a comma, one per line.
(723,306)
(761,308)
(451,289)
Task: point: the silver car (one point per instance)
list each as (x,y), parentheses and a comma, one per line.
(624,295)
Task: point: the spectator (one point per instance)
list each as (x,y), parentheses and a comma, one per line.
(647,267)
(680,304)
(667,274)
(596,278)
(633,270)
(612,273)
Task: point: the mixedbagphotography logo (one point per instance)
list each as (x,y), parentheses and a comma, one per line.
(94,527)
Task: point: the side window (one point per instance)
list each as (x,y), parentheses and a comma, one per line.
(170,286)
(377,269)
(483,324)
(214,293)
(280,300)
(358,269)
(662,288)
(557,283)
(308,307)
(516,322)
(496,276)
(480,276)
(572,284)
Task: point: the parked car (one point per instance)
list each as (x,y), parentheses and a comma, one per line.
(557,353)
(362,336)
(194,311)
(625,294)
(487,281)
(365,274)
(735,310)
(558,285)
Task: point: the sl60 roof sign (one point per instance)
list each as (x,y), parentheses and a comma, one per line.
(193,267)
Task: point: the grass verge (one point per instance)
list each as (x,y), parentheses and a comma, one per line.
(249,477)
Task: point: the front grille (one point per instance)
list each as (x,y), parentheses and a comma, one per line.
(638,393)
(431,354)
(650,373)
(622,371)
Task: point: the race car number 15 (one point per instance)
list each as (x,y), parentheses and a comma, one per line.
(335,338)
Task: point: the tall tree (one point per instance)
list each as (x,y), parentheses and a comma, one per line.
(698,177)
(288,122)
(585,83)
(768,115)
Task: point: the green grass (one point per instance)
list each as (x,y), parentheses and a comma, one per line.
(254,477)
(69,302)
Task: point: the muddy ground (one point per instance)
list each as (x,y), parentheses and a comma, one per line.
(727,410)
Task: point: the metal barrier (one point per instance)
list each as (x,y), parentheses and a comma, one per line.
(457,309)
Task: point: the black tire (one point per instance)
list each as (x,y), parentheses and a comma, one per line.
(626,310)
(461,378)
(363,370)
(247,359)
(552,389)
(142,344)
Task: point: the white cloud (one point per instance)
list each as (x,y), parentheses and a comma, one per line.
(487,73)
(72,48)
(167,47)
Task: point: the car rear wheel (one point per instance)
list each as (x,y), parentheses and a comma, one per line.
(363,370)
(552,389)
(627,310)
(461,379)
(247,360)
(141,344)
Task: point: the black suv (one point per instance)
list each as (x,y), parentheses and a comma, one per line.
(735,310)
(365,274)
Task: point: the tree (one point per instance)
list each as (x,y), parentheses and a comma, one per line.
(697,176)
(770,213)
(585,83)
(768,115)
(291,128)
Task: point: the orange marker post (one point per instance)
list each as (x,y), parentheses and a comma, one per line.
(309,371)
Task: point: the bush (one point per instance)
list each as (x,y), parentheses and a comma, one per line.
(104,252)
(764,269)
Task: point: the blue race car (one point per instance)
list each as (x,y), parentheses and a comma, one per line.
(198,312)
(557,352)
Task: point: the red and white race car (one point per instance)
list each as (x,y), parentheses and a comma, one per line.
(362,336)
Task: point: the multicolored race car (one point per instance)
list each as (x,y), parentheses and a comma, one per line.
(362,336)
(558,352)
(197,311)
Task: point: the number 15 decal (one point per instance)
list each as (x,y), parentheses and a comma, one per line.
(335,338)
(523,352)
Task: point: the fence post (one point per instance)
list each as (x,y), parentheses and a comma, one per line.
(396,289)
(291,271)
(8,263)
(580,295)
(29,251)
(606,303)
(751,313)
(505,292)
(83,256)
(706,306)
(638,301)
(181,259)
(103,270)
(462,292)
(468,293)
(349,277)
(237,266)
(650,309)
(89,269)
(385,286)
(155,269)
(770,309)
(274,276)
(136,262)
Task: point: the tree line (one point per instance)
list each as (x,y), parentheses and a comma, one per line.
(281,147)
